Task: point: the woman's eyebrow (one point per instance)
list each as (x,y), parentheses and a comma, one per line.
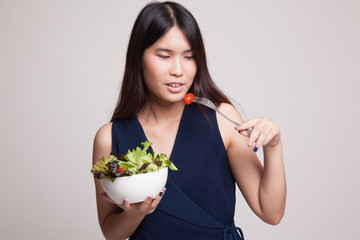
(160,49)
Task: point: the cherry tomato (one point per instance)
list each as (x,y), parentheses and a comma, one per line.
(188,99)
(121,170)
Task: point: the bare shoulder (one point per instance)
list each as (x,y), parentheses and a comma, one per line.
(104,132)
(230,111)
(226,128)
(102,142)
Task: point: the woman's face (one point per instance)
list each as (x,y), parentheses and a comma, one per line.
(169,67)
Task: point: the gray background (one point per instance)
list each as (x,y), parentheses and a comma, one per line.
(61,63)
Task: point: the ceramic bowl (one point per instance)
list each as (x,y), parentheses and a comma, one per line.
(136,187)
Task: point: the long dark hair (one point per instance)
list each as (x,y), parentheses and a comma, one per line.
(154,20)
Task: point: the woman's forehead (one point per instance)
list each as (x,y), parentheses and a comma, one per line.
(172,40)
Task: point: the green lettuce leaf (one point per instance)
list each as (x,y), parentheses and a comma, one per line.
(136,161)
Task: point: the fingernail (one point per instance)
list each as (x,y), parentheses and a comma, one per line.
(250,144)
(150,198)
(125,201)
(255,149)
(161,193)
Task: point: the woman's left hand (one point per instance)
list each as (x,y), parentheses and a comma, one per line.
(264,132)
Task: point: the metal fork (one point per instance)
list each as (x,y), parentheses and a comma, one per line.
(210,104)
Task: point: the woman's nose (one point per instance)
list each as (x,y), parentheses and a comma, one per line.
(176,68)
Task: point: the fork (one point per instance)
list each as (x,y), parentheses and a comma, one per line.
(210,104)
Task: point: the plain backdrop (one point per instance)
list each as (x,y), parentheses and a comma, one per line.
(61,65)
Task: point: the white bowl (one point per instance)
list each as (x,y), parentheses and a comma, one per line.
(136,187)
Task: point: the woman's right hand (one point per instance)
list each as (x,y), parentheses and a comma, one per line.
(140,209)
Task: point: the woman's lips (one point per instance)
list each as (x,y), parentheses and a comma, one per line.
(174,84)
(175,87)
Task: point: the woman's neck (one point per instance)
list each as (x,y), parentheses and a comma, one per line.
(161,113)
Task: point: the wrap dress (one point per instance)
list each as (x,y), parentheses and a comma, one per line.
(199,202)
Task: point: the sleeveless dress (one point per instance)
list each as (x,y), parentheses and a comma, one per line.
(199,202)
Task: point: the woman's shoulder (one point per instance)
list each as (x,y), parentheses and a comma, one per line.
(102,141)
(230,111)
(104,131)
(226,128)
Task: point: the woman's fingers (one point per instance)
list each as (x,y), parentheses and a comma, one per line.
(144,208)
(244,133)
(273,137)
(145,204)
(260,141)
(243,128)
(155,202)
(125,204)
(263,131)
(257,130)
(150,203)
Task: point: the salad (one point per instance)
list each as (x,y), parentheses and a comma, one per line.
(134,162)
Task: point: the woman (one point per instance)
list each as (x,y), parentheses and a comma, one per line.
(165,60)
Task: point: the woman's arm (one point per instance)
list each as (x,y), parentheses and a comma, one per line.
(117,221)
(263,187)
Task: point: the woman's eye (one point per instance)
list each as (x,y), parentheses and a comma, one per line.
(189,57)
(163,56)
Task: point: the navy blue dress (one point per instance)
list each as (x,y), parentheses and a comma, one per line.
(199,202)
